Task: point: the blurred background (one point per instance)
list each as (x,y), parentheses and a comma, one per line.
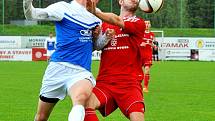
(190,23)
(174,14)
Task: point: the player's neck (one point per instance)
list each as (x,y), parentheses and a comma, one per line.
(147,31)
(124,13)
(82,2)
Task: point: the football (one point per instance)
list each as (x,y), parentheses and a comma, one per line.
(151,6)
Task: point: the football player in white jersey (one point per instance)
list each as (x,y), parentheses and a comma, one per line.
(69,69)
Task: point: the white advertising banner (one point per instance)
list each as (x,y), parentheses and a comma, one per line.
(10,42)
(207,55)
(186,48)
(96,55)
(15,54)
(204,43)
(174,43)
(186,43)
(33,41)
(177,54)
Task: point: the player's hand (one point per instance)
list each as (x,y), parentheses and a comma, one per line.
(110,33)
(91,6)
(143,44)
(96,32)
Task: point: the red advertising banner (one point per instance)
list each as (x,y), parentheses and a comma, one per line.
(39,54)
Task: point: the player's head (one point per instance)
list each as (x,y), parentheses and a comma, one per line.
(90,4)
(50,34)
(90,1)
(148,24)
(129,5)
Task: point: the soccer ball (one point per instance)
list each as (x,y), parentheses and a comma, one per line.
(151,6)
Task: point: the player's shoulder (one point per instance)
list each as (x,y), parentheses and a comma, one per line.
(58,6)
(47,39)
(132,19)
(151,33)
(61,3)
(135,21)
(140,19)
(107,25)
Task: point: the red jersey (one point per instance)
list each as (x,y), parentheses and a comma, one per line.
(146,47)
(120,58)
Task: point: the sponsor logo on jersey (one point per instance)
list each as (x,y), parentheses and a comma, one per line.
(86,32)
(113,42)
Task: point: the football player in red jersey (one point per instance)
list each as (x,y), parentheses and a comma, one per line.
(146,47)
(118,83)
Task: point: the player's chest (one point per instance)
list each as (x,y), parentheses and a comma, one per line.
(121,39)
(148,36)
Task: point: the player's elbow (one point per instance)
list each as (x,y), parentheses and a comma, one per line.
(28,17)
(118,21)
(28,14)
(27,8)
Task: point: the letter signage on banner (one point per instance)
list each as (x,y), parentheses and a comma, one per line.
(33,41)
(174,43)
(14,48)
(186,43)
(205,43)
(15,55)
(195,45)
(10,42)
(177,54)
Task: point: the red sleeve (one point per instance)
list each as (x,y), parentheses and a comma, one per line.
(152,34)
(105,26)
(134,25)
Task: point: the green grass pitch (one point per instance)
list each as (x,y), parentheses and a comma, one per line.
(179,91)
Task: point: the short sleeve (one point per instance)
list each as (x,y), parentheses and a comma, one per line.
(105,26)
(134,25)
(56,10)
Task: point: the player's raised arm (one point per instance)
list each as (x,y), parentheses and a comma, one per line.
(110,18)
(48,14)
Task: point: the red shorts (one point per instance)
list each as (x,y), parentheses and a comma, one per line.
(146,59)
(146,56)
(128,98)
(147,62)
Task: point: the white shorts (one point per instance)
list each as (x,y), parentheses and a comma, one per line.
(59,77)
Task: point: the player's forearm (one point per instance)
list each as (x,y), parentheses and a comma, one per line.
(32,13)
(101,42)
(28,9)
(110,18)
